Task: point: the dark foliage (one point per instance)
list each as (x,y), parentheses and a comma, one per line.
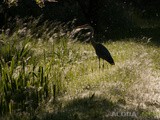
(110,18)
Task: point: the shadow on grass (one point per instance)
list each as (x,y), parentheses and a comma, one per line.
(96,108)
(152,33)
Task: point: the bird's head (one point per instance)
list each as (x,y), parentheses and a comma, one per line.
(85,27)
(83,32)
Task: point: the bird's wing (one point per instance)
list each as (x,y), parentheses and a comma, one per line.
(104,53)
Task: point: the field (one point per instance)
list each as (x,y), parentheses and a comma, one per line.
(60,79)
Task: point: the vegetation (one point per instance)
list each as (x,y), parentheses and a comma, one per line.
(45,74)
(47,79)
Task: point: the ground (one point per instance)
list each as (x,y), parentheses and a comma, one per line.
(128,90)
(76,89)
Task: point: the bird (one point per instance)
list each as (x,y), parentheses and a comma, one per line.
(101,51)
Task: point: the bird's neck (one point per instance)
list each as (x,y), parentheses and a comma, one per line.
(92,38)
(93,42)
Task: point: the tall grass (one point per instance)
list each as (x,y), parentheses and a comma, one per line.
(24,82)
(31,72)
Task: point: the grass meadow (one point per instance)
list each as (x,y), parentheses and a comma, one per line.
(46,79)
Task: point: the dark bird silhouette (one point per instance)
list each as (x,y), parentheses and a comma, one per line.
(101,51)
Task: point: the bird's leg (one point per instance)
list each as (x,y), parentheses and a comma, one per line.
(99,63)
(103,64)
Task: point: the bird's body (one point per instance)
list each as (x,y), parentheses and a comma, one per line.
(101,51)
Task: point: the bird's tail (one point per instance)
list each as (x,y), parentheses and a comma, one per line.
(111,61)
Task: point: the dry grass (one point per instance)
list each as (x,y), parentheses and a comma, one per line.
(132,85)
(85,92)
